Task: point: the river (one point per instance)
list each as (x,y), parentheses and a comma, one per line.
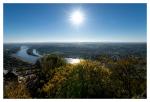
(24,56)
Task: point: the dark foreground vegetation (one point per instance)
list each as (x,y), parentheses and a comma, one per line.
(100,77)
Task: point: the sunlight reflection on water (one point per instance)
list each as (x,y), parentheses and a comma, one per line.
(73,60)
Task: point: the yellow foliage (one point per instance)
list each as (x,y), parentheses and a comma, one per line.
(73,75)
(16,90)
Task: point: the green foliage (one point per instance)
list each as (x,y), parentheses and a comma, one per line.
(47,67)
(129,80)
(49,63)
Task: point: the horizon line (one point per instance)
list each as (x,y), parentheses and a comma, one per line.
(77,42)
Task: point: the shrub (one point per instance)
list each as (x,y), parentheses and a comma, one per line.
(88,79)
(16,90)
(128,79)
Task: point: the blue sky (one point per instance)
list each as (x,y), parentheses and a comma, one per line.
(50,23)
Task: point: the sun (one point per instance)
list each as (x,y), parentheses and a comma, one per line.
(77,17)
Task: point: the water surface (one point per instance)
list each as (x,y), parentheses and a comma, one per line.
(23,55)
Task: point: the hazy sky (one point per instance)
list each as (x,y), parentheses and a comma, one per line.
(51,23)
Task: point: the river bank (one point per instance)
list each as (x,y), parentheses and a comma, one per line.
(23,55)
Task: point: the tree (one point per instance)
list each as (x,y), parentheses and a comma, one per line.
(48,63)
(47,66)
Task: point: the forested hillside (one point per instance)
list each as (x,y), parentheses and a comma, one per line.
(99,78)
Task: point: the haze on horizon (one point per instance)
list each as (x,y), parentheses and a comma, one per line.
(89,23)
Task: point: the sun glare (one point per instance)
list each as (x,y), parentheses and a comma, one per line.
(77,17)
(75,61)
